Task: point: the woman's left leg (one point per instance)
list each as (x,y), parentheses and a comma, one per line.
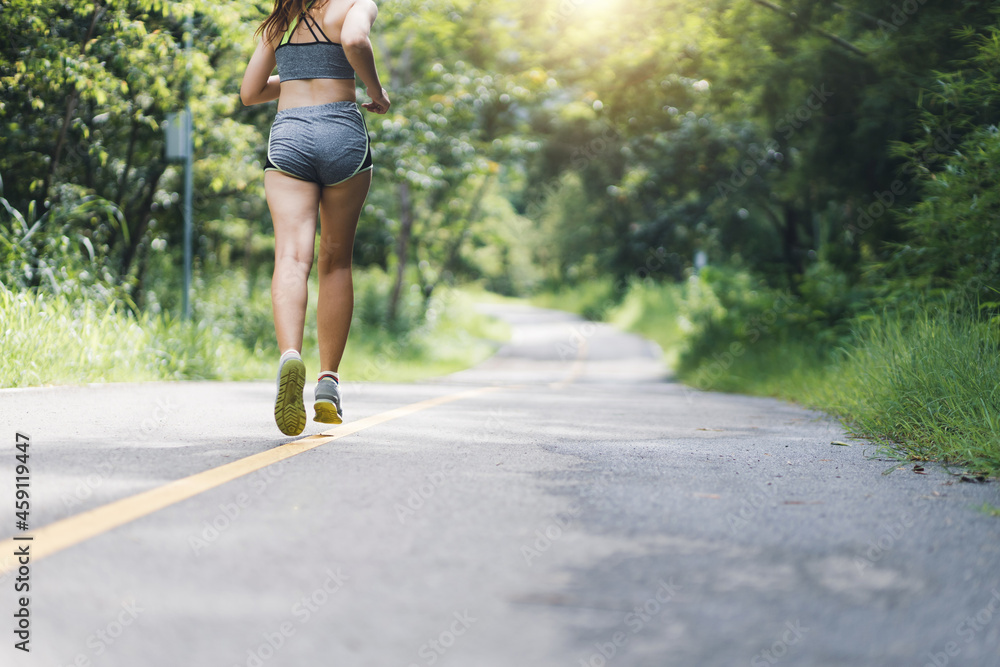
(294,204)
(340,210)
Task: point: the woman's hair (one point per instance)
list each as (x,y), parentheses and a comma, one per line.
(281,17)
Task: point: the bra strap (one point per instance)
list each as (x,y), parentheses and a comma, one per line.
(318,27)
(305,19)
(295,23)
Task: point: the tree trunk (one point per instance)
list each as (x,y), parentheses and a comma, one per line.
(453,253)
(143,213)
(790,243)
(402,246)
(129,154)
(401,73)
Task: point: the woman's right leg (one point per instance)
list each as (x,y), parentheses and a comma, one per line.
(294,204)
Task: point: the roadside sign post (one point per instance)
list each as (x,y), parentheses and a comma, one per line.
(180,146)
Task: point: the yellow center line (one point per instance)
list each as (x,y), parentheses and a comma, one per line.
(72,530)
(576,370)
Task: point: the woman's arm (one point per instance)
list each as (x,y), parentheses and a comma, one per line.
(358,49)
(258,85)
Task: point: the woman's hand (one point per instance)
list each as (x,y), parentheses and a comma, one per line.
(380,102)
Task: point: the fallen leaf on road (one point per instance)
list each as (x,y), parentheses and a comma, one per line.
(978,478)
(840,444)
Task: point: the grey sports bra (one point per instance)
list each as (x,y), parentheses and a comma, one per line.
(311,60)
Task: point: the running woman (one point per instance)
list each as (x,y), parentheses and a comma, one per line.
(318,156)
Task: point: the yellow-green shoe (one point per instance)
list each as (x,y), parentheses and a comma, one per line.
(289,411)
(327,405)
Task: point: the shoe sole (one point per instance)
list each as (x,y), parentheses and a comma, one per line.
(326,413)
(289,412)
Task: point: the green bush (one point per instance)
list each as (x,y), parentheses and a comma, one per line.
(653,310)
(62,249)
(372,290)
(238,304)
(735,324)
(953,244)
(593,299)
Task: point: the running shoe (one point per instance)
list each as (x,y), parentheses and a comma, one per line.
(328,410)
(289,412)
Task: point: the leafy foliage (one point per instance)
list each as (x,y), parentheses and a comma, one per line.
(85,89)
(952,242)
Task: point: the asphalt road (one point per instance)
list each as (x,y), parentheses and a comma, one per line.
(582,510)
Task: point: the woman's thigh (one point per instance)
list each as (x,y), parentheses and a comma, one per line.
(293,204)
(340,209)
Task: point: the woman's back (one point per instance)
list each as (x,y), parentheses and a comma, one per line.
(327,18)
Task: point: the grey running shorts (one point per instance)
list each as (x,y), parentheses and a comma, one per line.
(326,143)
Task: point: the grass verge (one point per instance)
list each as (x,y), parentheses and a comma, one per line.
(56,339)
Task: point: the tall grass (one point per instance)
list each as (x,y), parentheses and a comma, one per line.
(60,339)
(928,382)
(443,336)
(53,339)
(787,369)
